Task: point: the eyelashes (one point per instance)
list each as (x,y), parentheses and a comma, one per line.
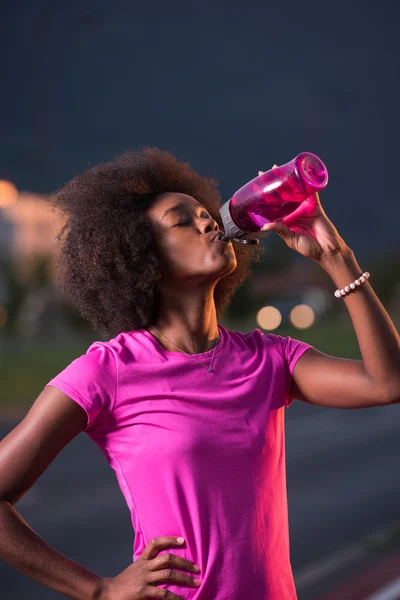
(188,222)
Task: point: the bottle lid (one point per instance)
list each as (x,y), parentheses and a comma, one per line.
(230,227)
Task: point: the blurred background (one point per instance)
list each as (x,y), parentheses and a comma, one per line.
(231,89)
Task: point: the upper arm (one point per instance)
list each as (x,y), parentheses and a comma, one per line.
(326,380)
(52,422)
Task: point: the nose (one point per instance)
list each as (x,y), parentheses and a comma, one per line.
(208,225)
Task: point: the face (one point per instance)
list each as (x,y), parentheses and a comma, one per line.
(183,230)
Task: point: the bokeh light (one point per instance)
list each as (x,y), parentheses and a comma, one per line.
(269,317)
(8,193)
(302,316)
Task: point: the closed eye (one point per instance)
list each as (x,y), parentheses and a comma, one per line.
(188,221)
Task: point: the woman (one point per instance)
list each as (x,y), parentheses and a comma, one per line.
(188,414)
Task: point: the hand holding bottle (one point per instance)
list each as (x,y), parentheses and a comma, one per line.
(271,196)
(308,230)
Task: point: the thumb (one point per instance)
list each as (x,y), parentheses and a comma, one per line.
(281,229)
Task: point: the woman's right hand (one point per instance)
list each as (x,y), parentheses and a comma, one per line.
(138,580)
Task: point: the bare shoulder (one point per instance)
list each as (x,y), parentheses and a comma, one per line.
(53,420)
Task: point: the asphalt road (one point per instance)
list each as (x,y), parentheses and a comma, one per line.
(343,483)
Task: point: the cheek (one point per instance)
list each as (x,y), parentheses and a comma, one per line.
(180,260)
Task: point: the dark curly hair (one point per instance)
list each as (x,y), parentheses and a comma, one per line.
(107,264)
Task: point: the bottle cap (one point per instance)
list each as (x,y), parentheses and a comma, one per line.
(230,227)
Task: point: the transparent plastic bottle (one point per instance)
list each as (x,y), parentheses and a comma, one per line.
(272,195)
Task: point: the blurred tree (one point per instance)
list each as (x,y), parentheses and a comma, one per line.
(16,291)
(385,275)
(74,319)
(39,275)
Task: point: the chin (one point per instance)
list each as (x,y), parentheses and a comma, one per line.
(229,267)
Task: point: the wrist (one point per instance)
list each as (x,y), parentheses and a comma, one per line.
(344,255)
(342,268)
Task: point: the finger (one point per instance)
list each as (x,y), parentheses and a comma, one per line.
(162,593)
(159,543)
(281,229)
(171,576)
(166,560)
(273,167)
(315,198)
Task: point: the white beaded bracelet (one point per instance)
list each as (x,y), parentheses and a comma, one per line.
(352,286)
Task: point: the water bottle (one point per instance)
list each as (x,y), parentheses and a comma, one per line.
(272,196)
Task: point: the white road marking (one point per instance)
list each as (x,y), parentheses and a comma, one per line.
(391,591)
(317,571)
(321,569)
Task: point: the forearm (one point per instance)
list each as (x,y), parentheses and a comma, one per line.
(377,336)
(24,549)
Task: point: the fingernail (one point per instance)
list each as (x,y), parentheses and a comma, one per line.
(180,540)
(196,581)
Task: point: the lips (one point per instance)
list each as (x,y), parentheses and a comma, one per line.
(216,236)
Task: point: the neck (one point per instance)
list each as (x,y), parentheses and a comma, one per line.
(188,319)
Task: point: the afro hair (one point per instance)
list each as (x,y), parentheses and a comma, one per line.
(107,265)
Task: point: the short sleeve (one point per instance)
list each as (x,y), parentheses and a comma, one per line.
(91,381)
(292,350)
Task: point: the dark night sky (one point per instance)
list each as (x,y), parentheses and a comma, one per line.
(230,87)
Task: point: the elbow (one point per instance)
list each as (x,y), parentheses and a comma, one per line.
(391,394)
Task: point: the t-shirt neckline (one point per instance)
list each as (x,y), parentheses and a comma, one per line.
(206,354)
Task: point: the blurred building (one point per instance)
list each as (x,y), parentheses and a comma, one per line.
(28,229)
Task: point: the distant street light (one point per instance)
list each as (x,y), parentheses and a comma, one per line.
(269,317)
(8,193)
(302,316)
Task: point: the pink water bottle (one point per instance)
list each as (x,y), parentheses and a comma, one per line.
(272,196)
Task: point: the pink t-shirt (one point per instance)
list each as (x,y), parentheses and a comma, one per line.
(198,454)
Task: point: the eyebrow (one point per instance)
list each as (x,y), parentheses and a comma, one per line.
(177,207)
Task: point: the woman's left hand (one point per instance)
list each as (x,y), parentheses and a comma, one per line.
(308,230)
